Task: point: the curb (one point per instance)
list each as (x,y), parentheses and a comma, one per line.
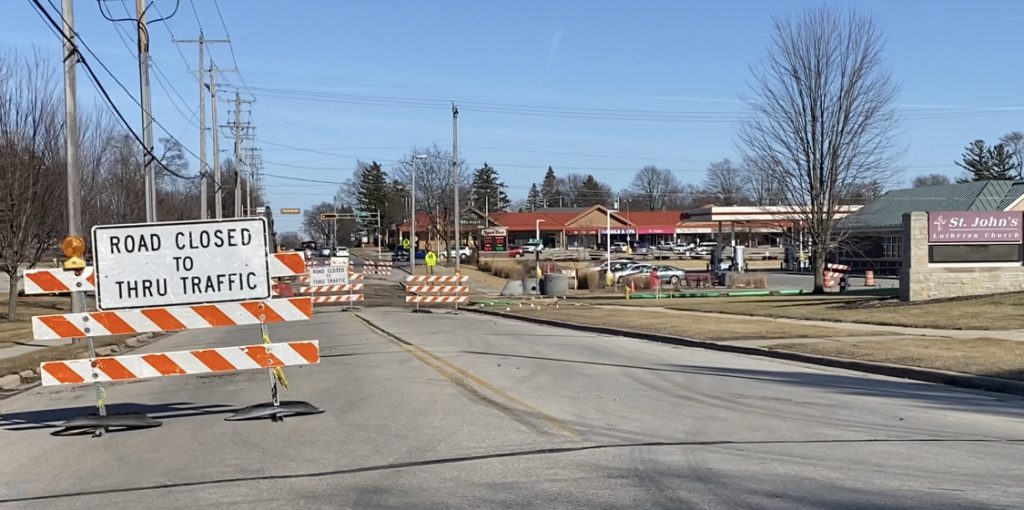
(974,382)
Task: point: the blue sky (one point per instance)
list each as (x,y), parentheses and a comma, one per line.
(661,56)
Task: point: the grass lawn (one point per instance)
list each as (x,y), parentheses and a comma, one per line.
(998,312)
(690,326)
(21,329)
(981,356)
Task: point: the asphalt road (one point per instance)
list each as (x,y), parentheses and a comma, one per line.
(469,411)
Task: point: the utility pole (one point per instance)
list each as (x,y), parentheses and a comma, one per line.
(238,155)
(455,173)
(218,207)
(147,109)
(71,135)
(204,167)
(204,209)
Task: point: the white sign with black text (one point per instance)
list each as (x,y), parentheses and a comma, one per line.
(180,263)
(328,275)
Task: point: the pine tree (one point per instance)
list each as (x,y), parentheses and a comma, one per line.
(595,192)
(549,189)
(488,192)
(977,160)
(373,191)
(1004,162)
(534,200)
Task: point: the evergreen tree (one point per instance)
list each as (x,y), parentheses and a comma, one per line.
(488,192)
(534,200)
(1004,162)
(373,192)
(977,160)
(549,189)
(595,192)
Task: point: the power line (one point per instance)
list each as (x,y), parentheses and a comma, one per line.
(167,26)
(196,13)
(231,49)
(590,113)
(98,84)
(124,37)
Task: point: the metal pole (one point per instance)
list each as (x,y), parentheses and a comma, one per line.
(455,175)
(238,155)
(147,109)
(71,135)
(204,211)
(380,235)
(218,205)
(609,279)
(412,221)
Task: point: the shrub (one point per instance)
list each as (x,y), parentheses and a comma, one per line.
(638,281)
(748,281)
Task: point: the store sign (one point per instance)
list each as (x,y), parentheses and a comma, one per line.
(966,227)
(494,231)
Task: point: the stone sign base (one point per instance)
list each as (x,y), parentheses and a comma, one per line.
(921,280)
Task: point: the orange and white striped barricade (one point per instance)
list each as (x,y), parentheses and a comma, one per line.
(834,275)
(433,289)
(377,267)
(173,276)
(59,281)
(197,361)
(333,294)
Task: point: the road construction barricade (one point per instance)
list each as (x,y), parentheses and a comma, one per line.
(834,276)
(436,289)
(376,267)
(122,319)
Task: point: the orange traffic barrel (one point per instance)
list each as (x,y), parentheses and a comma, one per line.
(869,278)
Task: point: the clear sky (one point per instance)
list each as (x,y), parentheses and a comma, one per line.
(957,65)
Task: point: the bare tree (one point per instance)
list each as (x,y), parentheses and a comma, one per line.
(823,117)
(31,162)
(726,182)
(656,188)
(320,230)
(1015,142)
(922,181)
(435,186)
(569,188)
(761,186)
(289,240)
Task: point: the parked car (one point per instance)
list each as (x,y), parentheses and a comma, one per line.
(619,247)
(617,265)
(515,252)
(634,269)
(533,247)
(705,248)
(326,252)
(464,253)
(400,255)
(643,249)
(341,251)
(670,274)
(665,246)
(681,249)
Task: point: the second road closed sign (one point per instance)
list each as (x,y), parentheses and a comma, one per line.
(180,263)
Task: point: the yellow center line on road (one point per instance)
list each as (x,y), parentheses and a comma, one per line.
(462,377)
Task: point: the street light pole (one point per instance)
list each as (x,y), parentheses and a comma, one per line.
(536,249)
(455,174)
(609,279)
(412,217)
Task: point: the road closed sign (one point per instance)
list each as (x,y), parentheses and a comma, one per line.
(180,263)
